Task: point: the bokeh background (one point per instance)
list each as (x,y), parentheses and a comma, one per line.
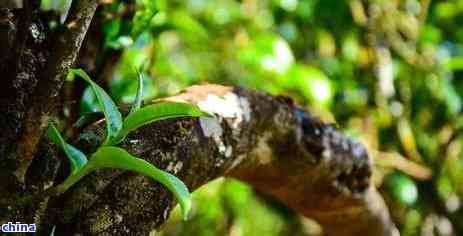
(387,72)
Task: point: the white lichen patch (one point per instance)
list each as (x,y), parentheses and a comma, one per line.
(174,168)
(177,167)
(165,156)
(262,151)
(36,33)
(326,156)
(228,151)
(246,108)
(47,185)
(118,218)
(219,162)
(134,141)
(229,106)
(211,128)
(170,167)
(166,213)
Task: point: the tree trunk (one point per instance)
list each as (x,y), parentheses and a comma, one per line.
(265,141)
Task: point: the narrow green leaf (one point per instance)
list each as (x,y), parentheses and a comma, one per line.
(138,97)
(75,156)
(52,233)
(112,115)
(156,112)
(114,157)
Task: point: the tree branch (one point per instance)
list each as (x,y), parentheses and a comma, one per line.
(43,104)
(265,141)
(11,4)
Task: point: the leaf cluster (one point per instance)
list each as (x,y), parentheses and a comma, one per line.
(108,155)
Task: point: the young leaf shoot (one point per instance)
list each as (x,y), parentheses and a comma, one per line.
(112,114)
(109,156)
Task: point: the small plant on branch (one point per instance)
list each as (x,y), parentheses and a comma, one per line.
(117,128)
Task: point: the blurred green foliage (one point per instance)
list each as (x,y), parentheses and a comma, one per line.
(388,72)
(228,207)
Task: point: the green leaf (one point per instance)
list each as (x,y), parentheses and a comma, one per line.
(138,97)
(52,233)
(88,118)
(88,101)
(112,115)
(156,112)
(75,156)
(111,30)
(114,157)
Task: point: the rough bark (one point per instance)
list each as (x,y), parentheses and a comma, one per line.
(23,53)
(11,4)
(64,53)
(262,140)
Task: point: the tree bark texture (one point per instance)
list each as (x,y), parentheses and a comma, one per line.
(65,49)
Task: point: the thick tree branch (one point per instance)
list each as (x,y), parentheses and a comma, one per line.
(43,104)
(265,141)
(23,55)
